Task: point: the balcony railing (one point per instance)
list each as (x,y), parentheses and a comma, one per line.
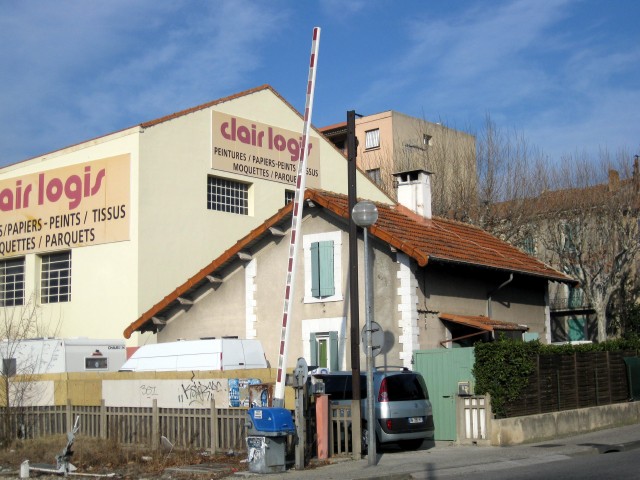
(570,302)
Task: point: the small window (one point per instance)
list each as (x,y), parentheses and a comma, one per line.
(372,139)
(225,195)
(9,367)
(577,327)
(374,175)
(569,239)
(289,196)
(427,140)
(322,269)
(324,350)
(12,282)
(96,363)
(529,244)
(55,283)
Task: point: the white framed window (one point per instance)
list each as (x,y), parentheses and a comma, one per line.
(324,342)
(12,282)
(323,267)
(224,195)
(323,350)
(55,281)
(372,139)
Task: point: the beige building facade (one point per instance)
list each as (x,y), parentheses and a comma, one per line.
(94,234)
(390,142)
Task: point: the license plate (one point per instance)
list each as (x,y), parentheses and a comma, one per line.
(416,419)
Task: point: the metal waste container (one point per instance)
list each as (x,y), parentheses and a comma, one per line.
(267,430)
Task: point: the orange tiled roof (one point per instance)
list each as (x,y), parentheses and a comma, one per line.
(424,240)
(481,322)
(443,240)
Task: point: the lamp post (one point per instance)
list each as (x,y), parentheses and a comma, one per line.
(364,215)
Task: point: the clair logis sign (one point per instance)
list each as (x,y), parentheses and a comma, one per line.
(73,206)
(262,151)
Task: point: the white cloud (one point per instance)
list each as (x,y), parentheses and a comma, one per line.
(85,68)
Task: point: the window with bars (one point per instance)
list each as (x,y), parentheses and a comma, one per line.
(55,282)
(12,282)
(226,195)
(372,138)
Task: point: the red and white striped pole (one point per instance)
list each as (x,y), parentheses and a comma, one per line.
(295,223)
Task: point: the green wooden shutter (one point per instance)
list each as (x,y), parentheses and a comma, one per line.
(325,254)
(315,269)
(576,327)
(333,348)
(313,344)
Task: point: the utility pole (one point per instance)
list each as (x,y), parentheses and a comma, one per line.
(354,331)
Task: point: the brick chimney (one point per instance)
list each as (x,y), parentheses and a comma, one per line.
(414,191)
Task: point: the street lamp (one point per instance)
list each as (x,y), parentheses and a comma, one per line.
(364,215)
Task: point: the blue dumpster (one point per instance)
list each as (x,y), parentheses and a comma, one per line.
(267,430)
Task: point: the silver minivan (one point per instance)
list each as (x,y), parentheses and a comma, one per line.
(402,407)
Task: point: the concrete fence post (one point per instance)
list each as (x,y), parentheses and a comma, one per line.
(69,416)
(103,419)
(155,425)
(214,427)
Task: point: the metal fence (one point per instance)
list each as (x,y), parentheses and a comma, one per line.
(214,429)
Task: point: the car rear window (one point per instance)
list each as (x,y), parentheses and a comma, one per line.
(406,386)
(339,386)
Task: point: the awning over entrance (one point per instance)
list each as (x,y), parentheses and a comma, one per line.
(481,322)
(467,329)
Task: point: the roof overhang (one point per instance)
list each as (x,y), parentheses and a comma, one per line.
(481,322)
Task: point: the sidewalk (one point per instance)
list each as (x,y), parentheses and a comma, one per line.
(446,459)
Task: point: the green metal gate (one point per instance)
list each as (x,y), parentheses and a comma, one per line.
(442,369)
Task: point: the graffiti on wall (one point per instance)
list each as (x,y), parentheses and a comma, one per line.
(193,393)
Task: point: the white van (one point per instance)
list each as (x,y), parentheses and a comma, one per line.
(187,355)
(59,355)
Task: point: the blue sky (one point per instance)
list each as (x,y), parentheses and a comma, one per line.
(563,73)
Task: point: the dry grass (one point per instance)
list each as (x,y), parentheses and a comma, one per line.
(97,456)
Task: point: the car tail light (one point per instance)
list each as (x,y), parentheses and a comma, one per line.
(383,395)
(389,425)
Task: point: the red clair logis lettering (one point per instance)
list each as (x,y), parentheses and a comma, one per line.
(253,136)
(74,188)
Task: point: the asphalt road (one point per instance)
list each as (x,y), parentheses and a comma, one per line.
(618,466)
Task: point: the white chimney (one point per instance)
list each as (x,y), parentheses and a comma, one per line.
(414,191)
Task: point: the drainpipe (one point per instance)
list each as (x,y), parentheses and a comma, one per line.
(492,292)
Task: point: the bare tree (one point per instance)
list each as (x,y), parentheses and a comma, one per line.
(447,153)
(589,230)
(581,212)
(511,173)
(19,323)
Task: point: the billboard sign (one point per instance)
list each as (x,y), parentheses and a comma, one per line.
(74,206)
(258,150)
